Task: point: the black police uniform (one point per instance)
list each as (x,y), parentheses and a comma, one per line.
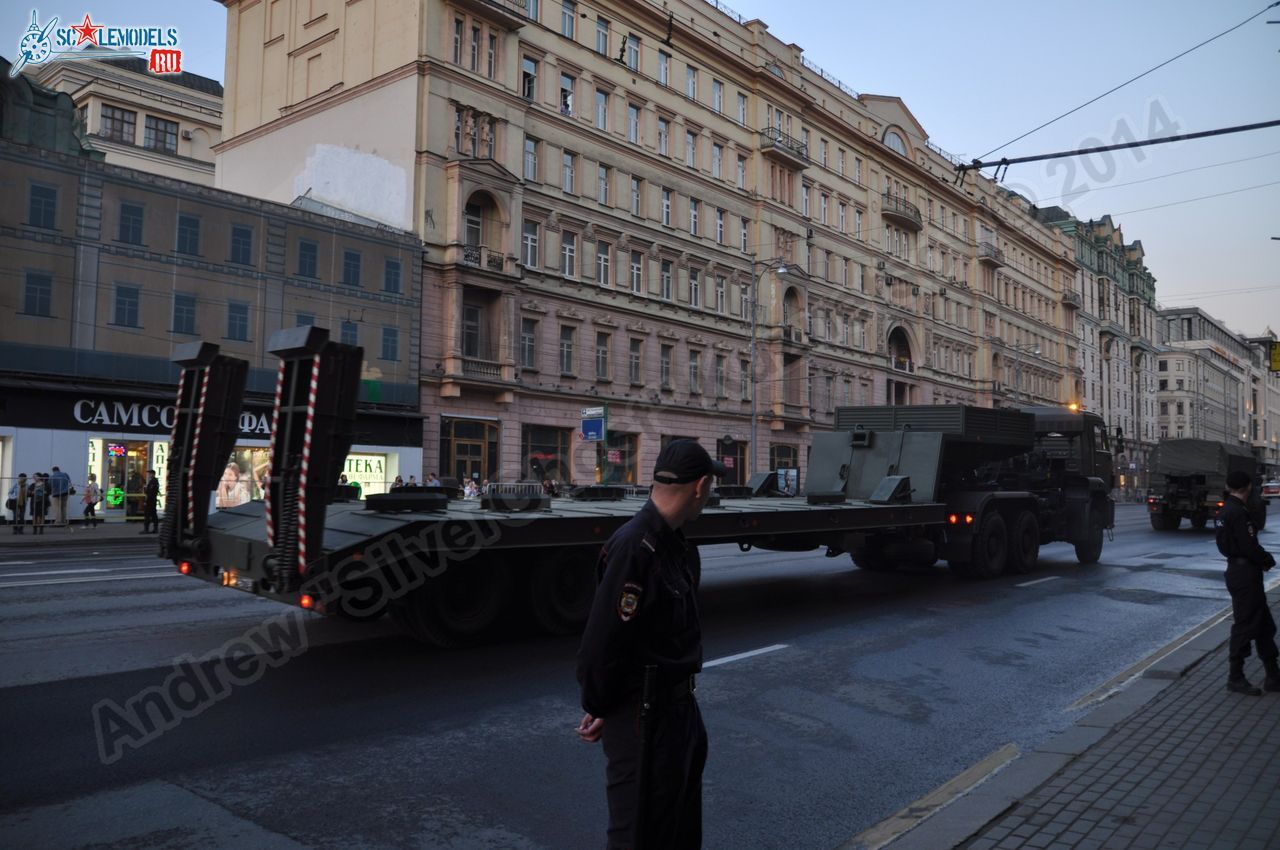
(646,612)
(1246,561)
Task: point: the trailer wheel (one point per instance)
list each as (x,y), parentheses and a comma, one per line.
(1199,520)
(1089,549)
(871,557)
(457,607)
(561,589)
(990,547)
(1024,543)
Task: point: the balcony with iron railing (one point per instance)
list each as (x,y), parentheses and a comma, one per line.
(512,13)
(1071,298)
(989,253)
(790,152)
(902,364)
(477,256)
(901,211)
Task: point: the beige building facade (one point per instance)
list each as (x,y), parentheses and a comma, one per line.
(682,225)
(160,124)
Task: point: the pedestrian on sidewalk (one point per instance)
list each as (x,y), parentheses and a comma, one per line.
(59,489)
(18,503)
(645,615)
(38,499)
(92,495)
(150,517)
(1246,561)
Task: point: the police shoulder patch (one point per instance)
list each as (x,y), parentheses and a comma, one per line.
(629,603)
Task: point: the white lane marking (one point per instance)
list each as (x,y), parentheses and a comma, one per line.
(741,655)
(82,580)
(15,563)
(1037,581)
(56,572)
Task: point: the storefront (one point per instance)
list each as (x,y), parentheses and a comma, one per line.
(118,436)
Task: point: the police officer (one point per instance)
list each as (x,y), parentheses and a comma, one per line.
(1246,561)
(646,613)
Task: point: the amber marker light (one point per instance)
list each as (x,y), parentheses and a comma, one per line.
(307,602)
(1074,407)
(968,519)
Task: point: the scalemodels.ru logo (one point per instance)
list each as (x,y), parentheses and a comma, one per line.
(41,43)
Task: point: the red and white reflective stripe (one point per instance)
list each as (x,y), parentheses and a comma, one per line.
(271,452)
(195,446)
(306,463)
(183,382)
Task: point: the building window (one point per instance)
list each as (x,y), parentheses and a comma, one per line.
(804,201)
(691,82)
(636,195)
(566,349)
(566,182)
(307,253)
(238,321)
(472,328)
(744,379)
(603,251)
(742,172)
(493,56)
(666,207)
(160,135)
(664,367)
(742,235)
(529,245)
(602,184)
(840,162)
(568,18)
(241,245)
(458,28)
(717,96)
(742,109)
(118,124)
(528,343)
(390,343)
(349,333)
(351,268)
(722,295)
(695,206)
(602,36)
(664,68)
(857,170)
(569,254)
(857,224)
(695,380)
(530,158)
(717,157)
(42,206)
(131,224)
(633,123)
(475,48)
(602,356)
(127,306)
(822,208)
(719,227)
(637,272)
(664,134)
(529,78)
(184,313)
(304,320)
(188,235)
(38,297)
(633,52)
(567,84)
(720,376)
(532,9)
(695,290)
(840,212)
(602,109)
(691,149)
(636,361)
(391,276)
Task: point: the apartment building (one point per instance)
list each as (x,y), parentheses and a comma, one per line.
(661,210)
(107,269)
(1205,382)
(164,125)
(1118,332)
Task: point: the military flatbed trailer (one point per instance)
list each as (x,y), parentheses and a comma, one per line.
(444,568)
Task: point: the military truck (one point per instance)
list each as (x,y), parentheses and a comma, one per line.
(450,571)
(1189,480)
(1011,482)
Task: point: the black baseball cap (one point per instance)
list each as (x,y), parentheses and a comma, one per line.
(683,461)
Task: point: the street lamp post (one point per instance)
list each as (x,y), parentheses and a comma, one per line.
(780,265)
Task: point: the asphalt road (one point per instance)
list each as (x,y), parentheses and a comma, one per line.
(872,690)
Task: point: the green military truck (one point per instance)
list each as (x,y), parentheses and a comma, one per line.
(1189,481)
(1011,481)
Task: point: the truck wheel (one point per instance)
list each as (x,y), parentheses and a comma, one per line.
(1157,522)
(457,607)
(871,557)
(990,548)
(1024,543)
(1199,520)
(1089,549)
(561,589)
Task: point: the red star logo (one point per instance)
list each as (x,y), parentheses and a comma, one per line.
(87,31)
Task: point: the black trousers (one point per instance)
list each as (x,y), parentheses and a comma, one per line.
(150,519)
(677,754)
(1253,622)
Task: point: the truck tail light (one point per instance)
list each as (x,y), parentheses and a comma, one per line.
(307,602)
(185,568)
(953,519)
(968,519)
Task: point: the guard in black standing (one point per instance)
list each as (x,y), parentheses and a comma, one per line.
(151,492)
(645,617)
(1246,562)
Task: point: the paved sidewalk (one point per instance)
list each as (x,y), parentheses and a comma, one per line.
(107,531)
(1173,761)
